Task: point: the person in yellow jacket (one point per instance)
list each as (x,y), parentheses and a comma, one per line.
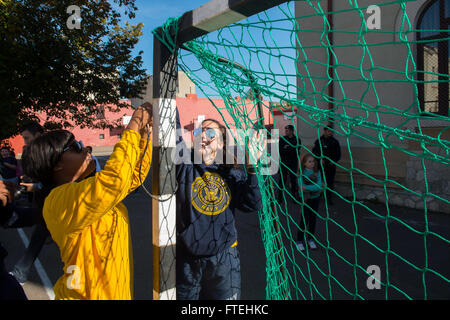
(83,209)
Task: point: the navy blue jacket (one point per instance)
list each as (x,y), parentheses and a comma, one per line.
(207,198)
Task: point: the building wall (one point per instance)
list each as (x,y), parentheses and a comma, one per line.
(90,137)
(367,89)
(193,109)
(185,87)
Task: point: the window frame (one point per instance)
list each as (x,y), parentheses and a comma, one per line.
(443,87)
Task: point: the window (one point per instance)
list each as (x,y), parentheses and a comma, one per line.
(101,112)
(433,57)
(102,136)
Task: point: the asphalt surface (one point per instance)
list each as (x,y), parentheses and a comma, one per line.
(411,250)
(139,209)
(412,255)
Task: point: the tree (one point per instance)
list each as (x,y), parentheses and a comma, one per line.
(47,64)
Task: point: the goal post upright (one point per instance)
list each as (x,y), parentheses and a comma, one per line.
(165,75)
(207,18)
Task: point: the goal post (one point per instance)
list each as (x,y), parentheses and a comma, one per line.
(164,179)
(207,18)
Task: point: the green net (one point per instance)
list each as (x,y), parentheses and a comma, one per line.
(377,76)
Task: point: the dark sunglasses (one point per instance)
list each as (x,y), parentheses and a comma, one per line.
(210,133)
(76,146)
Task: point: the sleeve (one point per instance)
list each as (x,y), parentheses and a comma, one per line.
(338,151)
(299,146)
(143,166)
(281,146)
(314,186)
(250,196)
(74,206)
(300,183)
(12,161)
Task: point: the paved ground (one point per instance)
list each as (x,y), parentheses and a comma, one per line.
(139,206)
(348,254)
(413,256)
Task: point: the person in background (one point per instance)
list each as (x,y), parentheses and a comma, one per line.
(208,195)
(289,146)
(311,186)
(31,131)
(40,233)
(18,167)
(83,209)
(9,166)
(10,289)
(328,149)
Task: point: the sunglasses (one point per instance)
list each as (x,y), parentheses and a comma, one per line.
(76,146)
(210,133)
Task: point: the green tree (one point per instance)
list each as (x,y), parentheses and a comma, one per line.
(48,64)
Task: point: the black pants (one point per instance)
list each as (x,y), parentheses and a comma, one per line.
(308,219)
(330,174)
(209,278)
(10,289)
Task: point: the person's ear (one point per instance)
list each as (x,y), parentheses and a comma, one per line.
(220,144)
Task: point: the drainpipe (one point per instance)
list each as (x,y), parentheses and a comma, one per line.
(330,62)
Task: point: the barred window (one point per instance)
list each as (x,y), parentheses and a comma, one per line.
(433,57)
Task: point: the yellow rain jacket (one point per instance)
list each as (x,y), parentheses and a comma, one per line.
(90,225)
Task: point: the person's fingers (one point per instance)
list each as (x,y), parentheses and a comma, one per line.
(29,186)
(3,198)
(6,192)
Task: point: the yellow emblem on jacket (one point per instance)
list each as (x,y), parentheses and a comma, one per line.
(210,194)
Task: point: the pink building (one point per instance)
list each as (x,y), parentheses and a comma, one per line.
(102,140)
(192,110)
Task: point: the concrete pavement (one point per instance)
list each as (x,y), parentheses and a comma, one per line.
(350,238)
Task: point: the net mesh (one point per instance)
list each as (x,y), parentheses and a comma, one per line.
(352,68)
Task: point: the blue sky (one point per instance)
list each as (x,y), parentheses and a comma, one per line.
(154,13)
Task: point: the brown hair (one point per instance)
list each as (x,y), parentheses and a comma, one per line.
(305,158)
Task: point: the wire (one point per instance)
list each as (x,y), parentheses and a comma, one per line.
(157,198)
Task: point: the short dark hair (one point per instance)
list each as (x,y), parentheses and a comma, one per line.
(43,154)
(289,127)
(33,127)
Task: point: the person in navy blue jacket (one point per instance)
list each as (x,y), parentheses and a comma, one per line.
(209,192)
